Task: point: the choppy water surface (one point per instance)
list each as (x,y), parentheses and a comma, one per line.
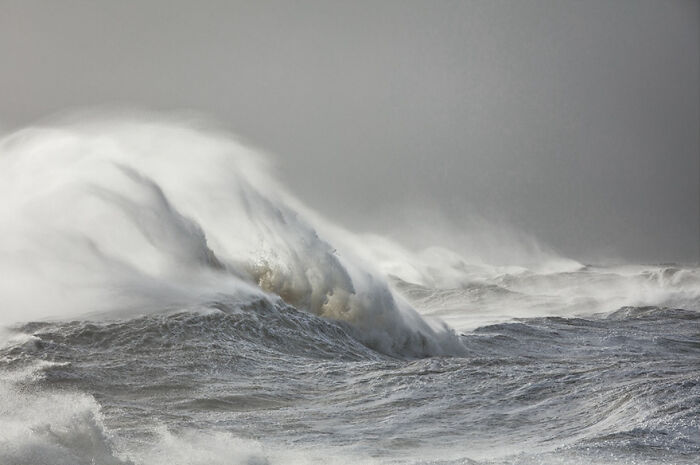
(265,384)
(158,310)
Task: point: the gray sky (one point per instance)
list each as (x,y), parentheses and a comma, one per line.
(577,121)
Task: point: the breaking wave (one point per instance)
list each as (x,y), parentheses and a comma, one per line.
(118,217)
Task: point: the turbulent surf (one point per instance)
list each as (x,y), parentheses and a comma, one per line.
(166,301)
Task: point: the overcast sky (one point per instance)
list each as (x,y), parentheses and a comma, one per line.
(576,121)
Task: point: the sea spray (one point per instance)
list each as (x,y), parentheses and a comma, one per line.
(125,215)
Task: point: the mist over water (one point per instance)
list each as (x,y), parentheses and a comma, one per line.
(166,300)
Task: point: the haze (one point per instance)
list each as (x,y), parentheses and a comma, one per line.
(577,122)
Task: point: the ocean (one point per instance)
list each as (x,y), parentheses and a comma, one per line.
(166,301)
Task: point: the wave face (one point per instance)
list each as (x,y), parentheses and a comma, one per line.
(166,301)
